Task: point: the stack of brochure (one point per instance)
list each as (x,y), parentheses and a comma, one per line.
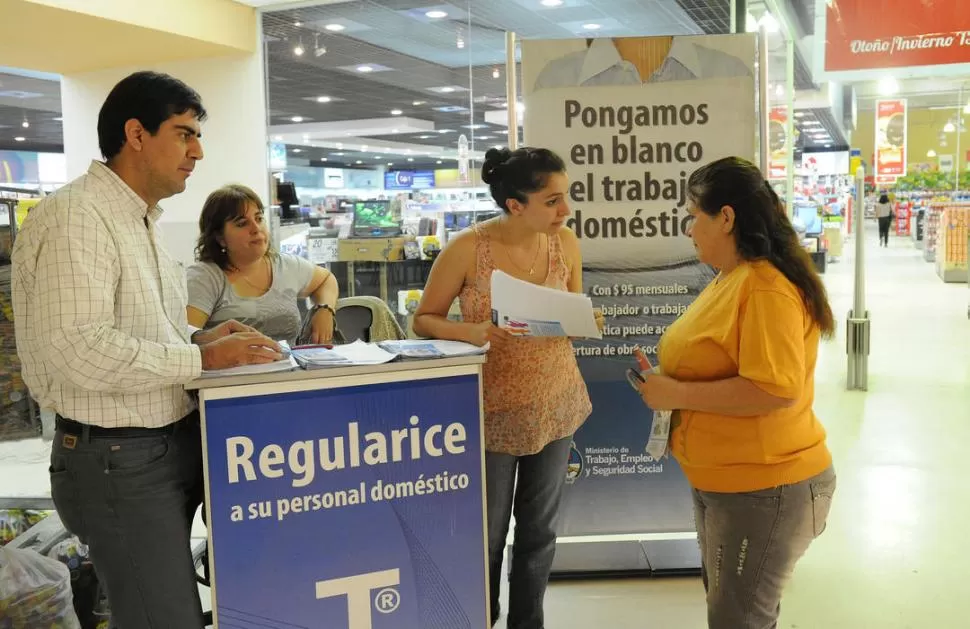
(428,348)
(287,363)
(353,354)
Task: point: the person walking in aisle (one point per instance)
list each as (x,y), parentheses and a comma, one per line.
(738,368)
(534,395)
(100,319)
(884,213)
(238,277)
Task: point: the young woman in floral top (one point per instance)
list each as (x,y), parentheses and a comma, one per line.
(534,395)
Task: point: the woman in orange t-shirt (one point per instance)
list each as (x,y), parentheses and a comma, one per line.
(738,370)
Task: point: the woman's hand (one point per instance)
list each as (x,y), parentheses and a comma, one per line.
(598,317)
(661,393)
(321,326)
(486,332)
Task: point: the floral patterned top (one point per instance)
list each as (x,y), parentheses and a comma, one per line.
(532,388)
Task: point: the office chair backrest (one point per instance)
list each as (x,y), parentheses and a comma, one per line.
(354,322)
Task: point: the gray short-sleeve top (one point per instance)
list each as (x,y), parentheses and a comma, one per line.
(275,314)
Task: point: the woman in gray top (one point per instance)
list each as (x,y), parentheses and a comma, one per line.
(238,277)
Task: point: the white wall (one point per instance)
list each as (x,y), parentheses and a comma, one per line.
(233,136)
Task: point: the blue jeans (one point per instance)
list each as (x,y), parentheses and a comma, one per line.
(532,487)
(750,543)
(132,501)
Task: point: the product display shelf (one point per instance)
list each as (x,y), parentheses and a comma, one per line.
(951,256)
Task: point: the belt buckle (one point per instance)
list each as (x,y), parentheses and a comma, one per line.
(69,441)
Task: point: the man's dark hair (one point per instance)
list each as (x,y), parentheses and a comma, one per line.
(149,97)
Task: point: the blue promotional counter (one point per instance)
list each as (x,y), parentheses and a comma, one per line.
(347,498)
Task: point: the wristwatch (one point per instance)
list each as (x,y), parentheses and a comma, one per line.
(318,307)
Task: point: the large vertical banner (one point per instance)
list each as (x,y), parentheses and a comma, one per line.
(891,129)
(633,117)
(778,143)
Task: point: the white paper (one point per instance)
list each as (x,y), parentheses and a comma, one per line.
(431,348)
(285,364)
(525,309)
(356,353)
(659,434)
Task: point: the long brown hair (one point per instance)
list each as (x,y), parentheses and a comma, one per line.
(222,206)
(762,230)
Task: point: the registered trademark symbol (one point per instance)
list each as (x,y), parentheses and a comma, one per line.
(387,601)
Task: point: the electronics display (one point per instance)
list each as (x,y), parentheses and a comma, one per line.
(373,219)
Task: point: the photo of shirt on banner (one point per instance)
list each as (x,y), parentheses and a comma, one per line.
(633,117)
(623,61)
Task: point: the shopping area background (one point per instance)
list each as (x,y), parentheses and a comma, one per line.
(364,124)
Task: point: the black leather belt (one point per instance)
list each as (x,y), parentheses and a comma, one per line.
(86,431)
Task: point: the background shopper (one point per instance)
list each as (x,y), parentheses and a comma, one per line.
(101,330)
(884,214)
(739,368)
(238,276)
(534,395)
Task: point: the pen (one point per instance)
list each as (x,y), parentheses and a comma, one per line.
(313,347)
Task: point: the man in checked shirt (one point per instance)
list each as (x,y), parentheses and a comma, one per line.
(99,307)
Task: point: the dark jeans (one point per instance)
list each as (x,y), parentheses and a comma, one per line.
(884,224)
(132,501)
(532,486)
(750,543)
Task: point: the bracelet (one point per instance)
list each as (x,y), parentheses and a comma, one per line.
(318,307)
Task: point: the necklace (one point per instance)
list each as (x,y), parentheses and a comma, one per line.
(257,286)
(508,253)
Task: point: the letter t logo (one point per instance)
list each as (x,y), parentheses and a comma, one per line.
(358,591)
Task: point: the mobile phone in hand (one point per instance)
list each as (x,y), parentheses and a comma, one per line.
(635,379)
(642,361)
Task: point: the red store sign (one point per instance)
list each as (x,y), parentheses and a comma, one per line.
(875,34)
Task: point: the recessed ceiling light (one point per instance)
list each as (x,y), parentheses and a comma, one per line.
(298,24)
(425,137)
(410,159)
(799,114)
(339,154)
(297,118)
(484,137)
(58,118)
(496,73)
(396,112)
(931,153)
(446,90)
(298,50)
(436,15)
(365,69)
(551,3)
(278,138)
(446,131)
(592,27)
(390,163)
(297,150)
(324,99)
(828,146)
(438,162)
(323,159)
(20,139)
(25,125)
(418,103)
(950,127)
(335,28)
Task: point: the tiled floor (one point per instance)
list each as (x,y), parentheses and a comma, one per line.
(893,555)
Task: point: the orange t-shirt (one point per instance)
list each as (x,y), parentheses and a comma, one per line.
(751,323)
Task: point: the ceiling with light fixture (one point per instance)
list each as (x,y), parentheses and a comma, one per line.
(405,65)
